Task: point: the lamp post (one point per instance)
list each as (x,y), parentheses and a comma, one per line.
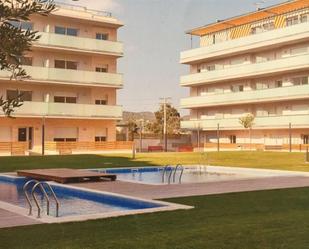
(141,128)
(43,135)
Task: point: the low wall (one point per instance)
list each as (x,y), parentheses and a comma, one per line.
(253,146)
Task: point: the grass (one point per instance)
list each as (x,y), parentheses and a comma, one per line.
(267,160)
(277,219)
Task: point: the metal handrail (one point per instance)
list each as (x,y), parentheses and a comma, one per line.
(36,200)
(164,171)
(169,176)
(181,173)
(54,196)
(26,194)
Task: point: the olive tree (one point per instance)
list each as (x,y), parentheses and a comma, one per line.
(15,41)
(247,122)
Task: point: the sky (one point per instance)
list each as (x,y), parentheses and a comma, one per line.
(153,36)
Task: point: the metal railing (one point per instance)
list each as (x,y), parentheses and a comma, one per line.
(35,198)
(83,9)
(164,172)
(27,196)
(173,171)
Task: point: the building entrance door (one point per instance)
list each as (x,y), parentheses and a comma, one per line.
(25,134)
(22,134)
(306,139)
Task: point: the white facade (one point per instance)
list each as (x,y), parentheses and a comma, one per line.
(259,66)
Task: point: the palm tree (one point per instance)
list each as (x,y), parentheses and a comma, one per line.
(247,122)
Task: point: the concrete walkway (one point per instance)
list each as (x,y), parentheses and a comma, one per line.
(9,219)
(180,190)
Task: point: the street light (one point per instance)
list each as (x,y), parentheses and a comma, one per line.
(141,127)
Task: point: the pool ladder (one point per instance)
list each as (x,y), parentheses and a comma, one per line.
(173,171)
(38,184)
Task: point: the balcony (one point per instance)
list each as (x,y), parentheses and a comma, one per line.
(270,122)
(71,77)
(63,110)
(254,96)
(79,44)
(285,65)
(287,35)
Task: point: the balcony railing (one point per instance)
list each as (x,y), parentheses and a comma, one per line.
(45,109)
(252,42)
(254,96)
(289,64)
(65,76)
(52,40)
(297,121)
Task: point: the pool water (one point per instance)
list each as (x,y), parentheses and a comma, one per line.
(72,201)
(191,174)
(154,175)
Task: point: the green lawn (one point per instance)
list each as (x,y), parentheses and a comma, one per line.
(257,220)
(269,160)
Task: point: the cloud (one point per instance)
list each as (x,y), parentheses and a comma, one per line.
(101,5)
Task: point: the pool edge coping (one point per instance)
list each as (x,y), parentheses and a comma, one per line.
(168,206)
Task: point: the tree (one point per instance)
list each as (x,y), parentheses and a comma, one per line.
(132,128)
(172,117)
(247,122)
(15,41)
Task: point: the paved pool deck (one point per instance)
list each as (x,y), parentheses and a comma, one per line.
(196,189)
(10,219)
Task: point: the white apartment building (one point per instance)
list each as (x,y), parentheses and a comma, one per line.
(72,92)
(256,63)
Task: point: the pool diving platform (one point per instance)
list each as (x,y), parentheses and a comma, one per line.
(65,175)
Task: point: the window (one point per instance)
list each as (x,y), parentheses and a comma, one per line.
(26,95)
(59,99)
(233,139)
(66,31)
(304,18)
(23,95)
(60,64)
(11,94)
(65,139)
(71,65)
(300,81)
(101,102)
(102,69)
(66,64)
(72,32)
(278,83)
(60,30)
(211,67)
(71,100)
(237,88)
(299,50)
(26,61)
(268,26)
(99,139)
(22,25)
(101,36)
(292,21)
(64,99)
(213,39)
(256,30)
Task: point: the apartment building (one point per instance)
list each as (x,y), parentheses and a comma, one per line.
(72,93)
(256,63)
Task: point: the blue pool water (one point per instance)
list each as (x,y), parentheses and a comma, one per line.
(153,175)
(72,201)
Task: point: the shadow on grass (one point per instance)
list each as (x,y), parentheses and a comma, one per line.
(9,164)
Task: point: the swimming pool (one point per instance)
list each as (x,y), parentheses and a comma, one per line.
(191,174)
(75,201)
